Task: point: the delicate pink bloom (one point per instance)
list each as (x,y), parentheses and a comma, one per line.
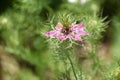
(78,29)
(62,33)
(51,33)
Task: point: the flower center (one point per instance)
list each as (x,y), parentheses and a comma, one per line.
(66,31)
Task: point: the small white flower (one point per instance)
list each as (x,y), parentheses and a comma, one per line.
(72,1)
(83,1)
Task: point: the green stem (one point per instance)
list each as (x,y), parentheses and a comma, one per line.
(72,66)
(81,72)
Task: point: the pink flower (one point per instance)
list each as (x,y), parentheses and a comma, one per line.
(75,31)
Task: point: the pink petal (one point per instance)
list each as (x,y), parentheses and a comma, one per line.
(75,37)
(50,34)
(74,27)
(62,37)
(81,25)
(77,27)
(81,32)
(59,26)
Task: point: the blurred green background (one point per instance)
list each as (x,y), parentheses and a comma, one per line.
(24,52)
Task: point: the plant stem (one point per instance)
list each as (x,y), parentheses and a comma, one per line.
(81,72)
(72,66)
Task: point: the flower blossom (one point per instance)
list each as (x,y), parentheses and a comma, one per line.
(74,31)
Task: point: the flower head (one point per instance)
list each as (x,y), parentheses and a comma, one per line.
(74,31)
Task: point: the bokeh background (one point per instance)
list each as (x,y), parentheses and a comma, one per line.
(24,52)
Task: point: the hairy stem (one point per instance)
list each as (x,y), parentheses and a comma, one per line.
(81,72)
(72,66)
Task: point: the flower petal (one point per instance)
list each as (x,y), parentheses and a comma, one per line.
(74,27)
(81,32)
(81,25)
(62,37)
(59,26)
(51,34)
(76,37)
(79,29)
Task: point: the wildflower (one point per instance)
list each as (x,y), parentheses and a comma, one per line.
(74,31)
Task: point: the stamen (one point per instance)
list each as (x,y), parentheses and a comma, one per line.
(66,31)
